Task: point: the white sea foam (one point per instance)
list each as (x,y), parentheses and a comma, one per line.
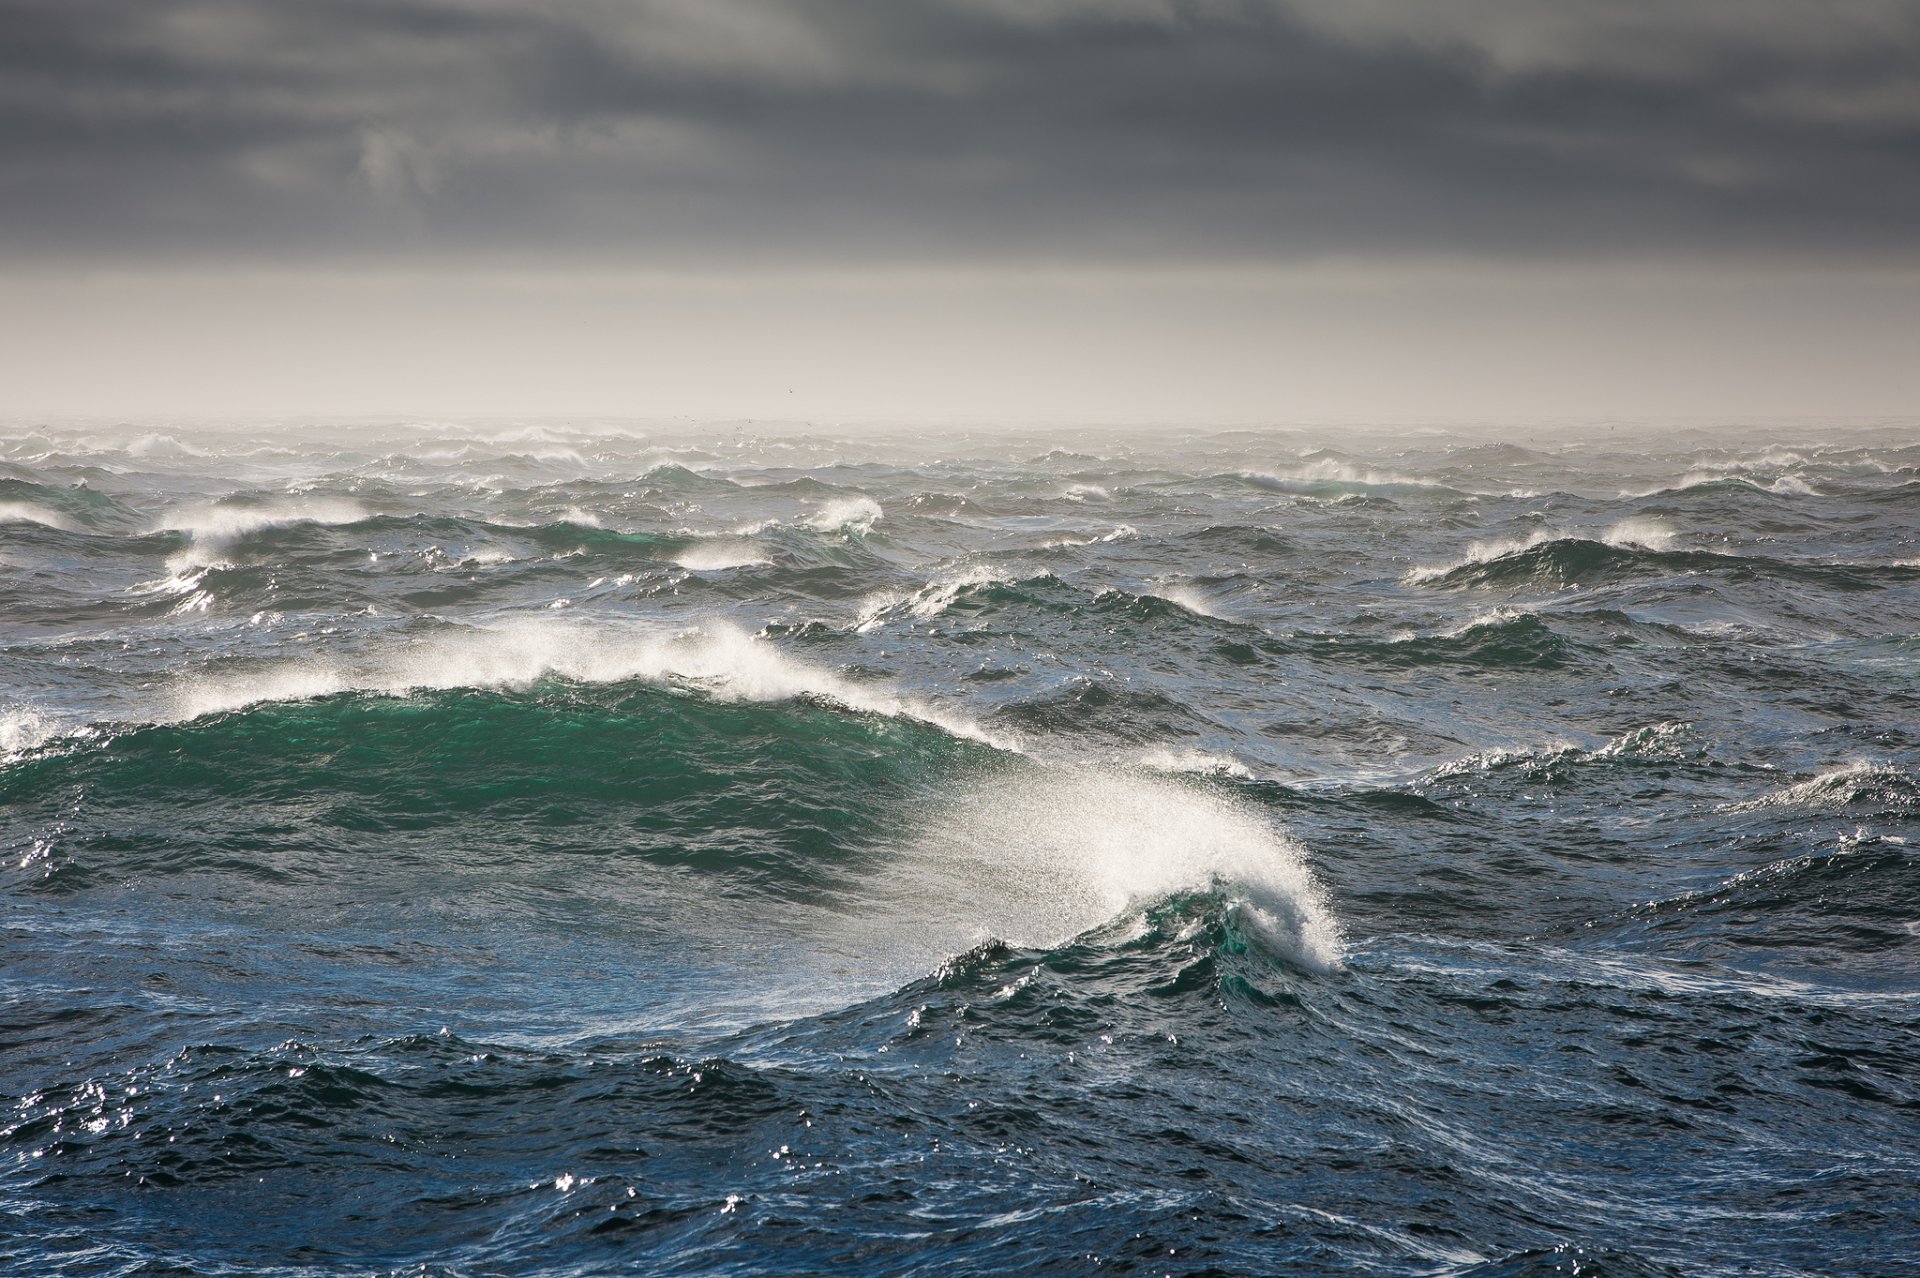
(1037,858)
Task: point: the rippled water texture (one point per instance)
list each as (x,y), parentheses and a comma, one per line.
(521,849)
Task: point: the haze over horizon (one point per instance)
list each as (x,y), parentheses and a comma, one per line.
(1226,211)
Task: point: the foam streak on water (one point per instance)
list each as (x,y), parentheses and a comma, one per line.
(531,848)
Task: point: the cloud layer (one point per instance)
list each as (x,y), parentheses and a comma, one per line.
(702,133)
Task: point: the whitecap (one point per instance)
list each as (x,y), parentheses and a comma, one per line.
(1037,858)
(847,514)
(722,660)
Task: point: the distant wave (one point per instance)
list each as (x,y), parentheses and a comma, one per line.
(73,508)
(988,588)
(1562,560)
(1504,639)
(1640,532)
(1855,784)
(678,477)
(211,531)
(1331,477)
(154,444)
(1119,532)
(971,582)
(1855,900)
(1104,709)
(1657,744)
(1730,478)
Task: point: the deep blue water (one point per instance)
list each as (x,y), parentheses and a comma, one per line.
(501,849)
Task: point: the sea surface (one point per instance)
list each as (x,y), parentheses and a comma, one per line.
(563,848)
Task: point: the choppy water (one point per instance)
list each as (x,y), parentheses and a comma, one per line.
(532,849)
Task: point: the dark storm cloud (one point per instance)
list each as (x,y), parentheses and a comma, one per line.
(696,132)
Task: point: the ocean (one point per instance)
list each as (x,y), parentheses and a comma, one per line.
(566,848)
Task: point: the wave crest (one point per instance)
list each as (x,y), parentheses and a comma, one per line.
(213,530)
(1039,858)
(727,663)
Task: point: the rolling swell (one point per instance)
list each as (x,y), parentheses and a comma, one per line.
(760,794)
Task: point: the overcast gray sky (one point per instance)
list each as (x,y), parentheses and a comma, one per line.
(1186,209)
